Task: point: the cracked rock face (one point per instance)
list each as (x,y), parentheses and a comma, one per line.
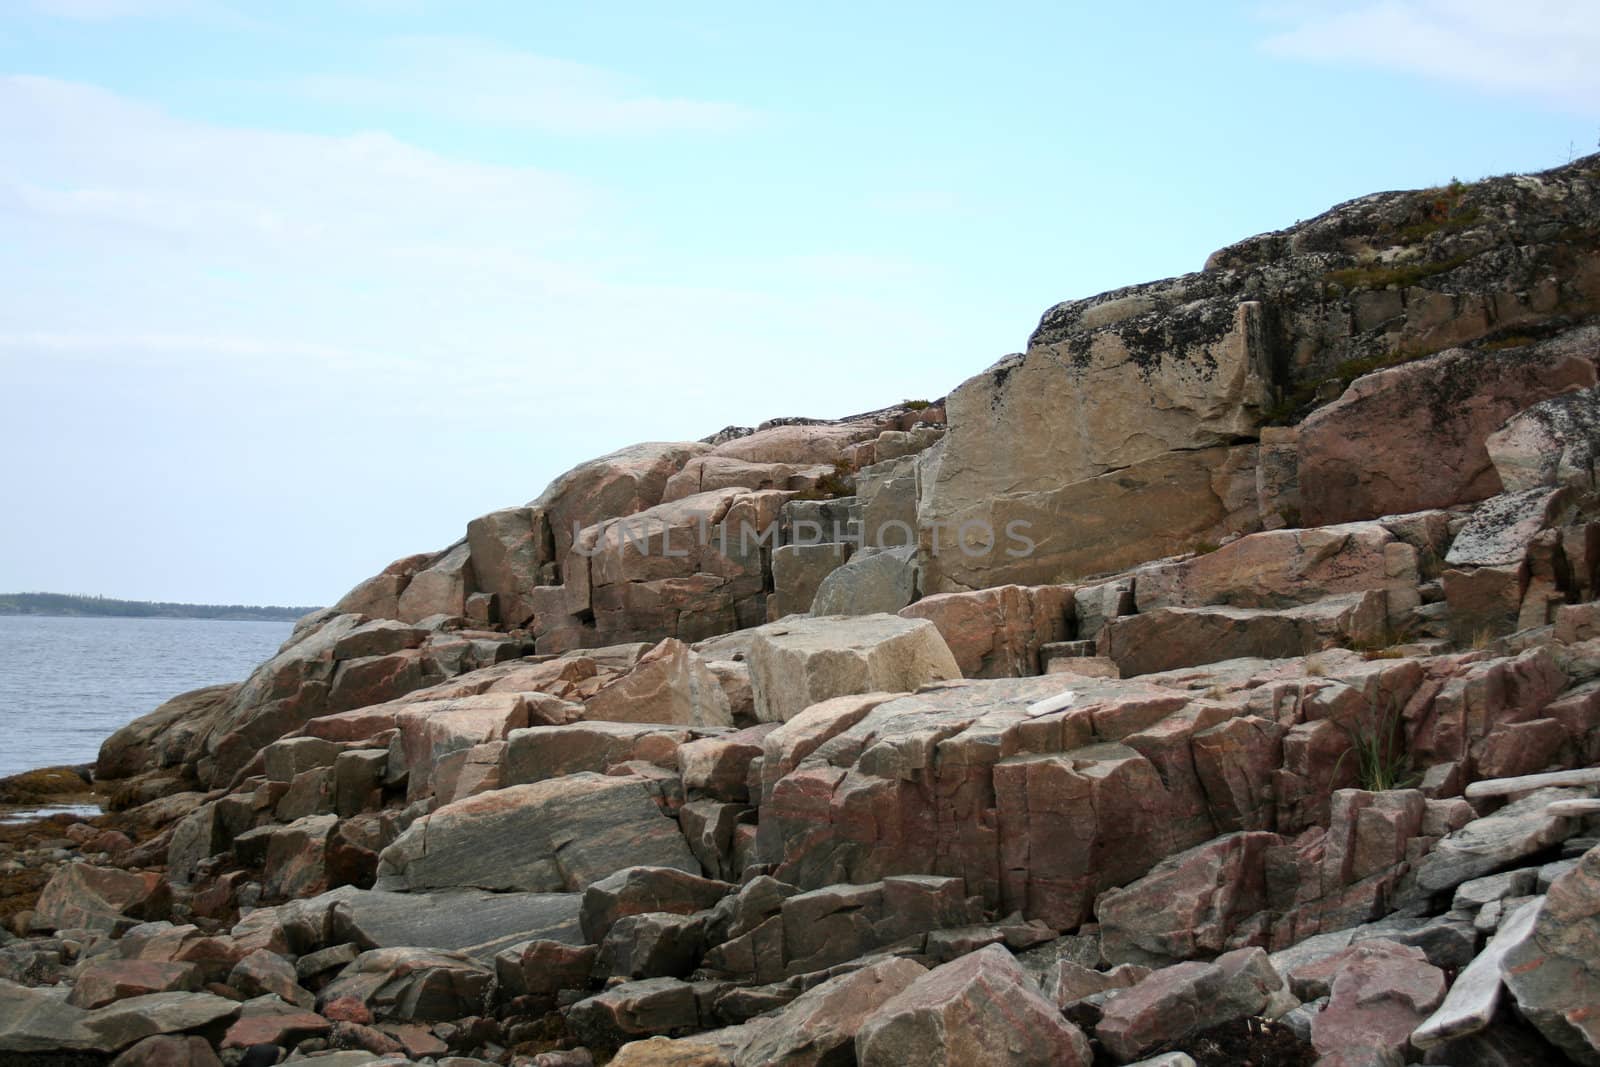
(1119,386)
(563,834)
(1554,973)
(1554,442)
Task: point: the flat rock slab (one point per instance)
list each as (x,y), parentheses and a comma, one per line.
(1168,638)
(40,1020)
(1475,995)
(478,923)
(560,835)
(1521,828)
(1500,530)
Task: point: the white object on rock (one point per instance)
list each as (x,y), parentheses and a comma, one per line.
(1049,704)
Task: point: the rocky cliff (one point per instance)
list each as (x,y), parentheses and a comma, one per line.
(1218,677)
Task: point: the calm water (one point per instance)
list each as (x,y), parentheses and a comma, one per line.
(67,684)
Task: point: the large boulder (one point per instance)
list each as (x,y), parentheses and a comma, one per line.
(997,633)
(1413,437)
(510,548)
(1521,828)
(441,588)
(166,737)
(545,752)
(1380,992)
(108,979)
(799,662)
(641,890)
(1282,568)
(1166,638)
(563,834)
(1171,503)
(1501,531)
(1190,904)
(478,923)
(432,730)
(669,684)
(875,580)
(413,985)
(80,896)
(705,473)
(804,441)
(689,569)
(1554,972)
(819,1027)
(1144,385)
(1554,442)
(379,596)
(982,1008)
(798,570)
(39,1023)
(635,1009)
(623,482)
(1174,1004)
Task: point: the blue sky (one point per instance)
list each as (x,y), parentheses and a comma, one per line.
(297,288)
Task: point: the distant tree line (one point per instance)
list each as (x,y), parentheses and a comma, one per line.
(70,604)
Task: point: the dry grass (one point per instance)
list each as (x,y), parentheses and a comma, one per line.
(1382,761)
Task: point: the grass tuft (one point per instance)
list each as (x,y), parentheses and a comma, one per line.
(1382,761)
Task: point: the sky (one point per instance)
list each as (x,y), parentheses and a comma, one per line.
(294,289)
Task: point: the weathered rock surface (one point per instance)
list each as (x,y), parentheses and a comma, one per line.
(467,920)
(641,890)
(997,633)
(1552,443)
(166,737)
(800,662)
(1553,972)
(1521,828)
(874,581)
(1189,904)
(820,1026)
(798,570)
(1413,437)
(1166,638)
(81,896)
(1379,994)
(564,834)
(669,684)
(981,1008)
(1177,1002)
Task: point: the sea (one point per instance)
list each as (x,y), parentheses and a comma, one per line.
(66,684)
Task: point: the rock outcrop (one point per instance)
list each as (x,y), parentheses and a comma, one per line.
(1222,672)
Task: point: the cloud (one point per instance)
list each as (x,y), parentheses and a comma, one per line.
(75,155)
(1540,48)
(466,79)
(364,266)
(317,353)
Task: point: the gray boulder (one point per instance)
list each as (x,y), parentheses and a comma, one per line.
(563,834)
(875,580)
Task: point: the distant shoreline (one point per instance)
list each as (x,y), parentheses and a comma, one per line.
(63,605)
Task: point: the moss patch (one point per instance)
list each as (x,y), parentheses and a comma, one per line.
(32,786)
(1380,276)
